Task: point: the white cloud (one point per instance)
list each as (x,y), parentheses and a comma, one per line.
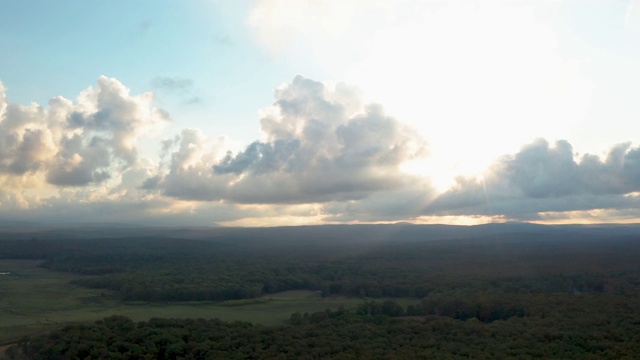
(190,157)
(325,155)
(80,144)
(542,182)
(488,75)
(318,146)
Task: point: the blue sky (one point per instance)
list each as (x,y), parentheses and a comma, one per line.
(276,112)
(61,47)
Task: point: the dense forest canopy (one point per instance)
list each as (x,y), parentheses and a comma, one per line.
(514,290)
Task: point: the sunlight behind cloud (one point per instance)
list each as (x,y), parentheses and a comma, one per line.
(426,168)
(481,78)
(484,76)
(459,220)
(388,110)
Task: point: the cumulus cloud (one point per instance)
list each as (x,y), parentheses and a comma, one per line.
(186,165)
(76,144)
(324,156)
(318,145)
(541,178)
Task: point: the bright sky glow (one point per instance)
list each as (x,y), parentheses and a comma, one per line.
(200,117)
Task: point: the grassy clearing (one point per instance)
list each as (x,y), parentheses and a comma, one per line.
(30,294)
(294,295)
(35,300)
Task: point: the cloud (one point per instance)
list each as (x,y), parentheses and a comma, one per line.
(176,86)
(541,179)
(193,100)
(172,84)
(224,40)
(540,171)
(76,144)
(79,165)
(403,203)
(442,66)
(186,168)
(319,145)
(324,156)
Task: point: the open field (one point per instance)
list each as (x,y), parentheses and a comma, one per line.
(35,300)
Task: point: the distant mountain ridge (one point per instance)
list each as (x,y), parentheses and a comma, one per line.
(370,232)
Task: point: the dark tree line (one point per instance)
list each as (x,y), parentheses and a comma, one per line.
(374,330)
(189,270)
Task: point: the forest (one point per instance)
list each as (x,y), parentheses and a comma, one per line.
(493,291)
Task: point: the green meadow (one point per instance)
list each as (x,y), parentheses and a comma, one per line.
(35,300)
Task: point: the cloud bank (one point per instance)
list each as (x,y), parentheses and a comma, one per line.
(76,144)
(318,145)
(324,156)
(543,180)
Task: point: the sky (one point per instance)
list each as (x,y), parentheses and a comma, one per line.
(295,112)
